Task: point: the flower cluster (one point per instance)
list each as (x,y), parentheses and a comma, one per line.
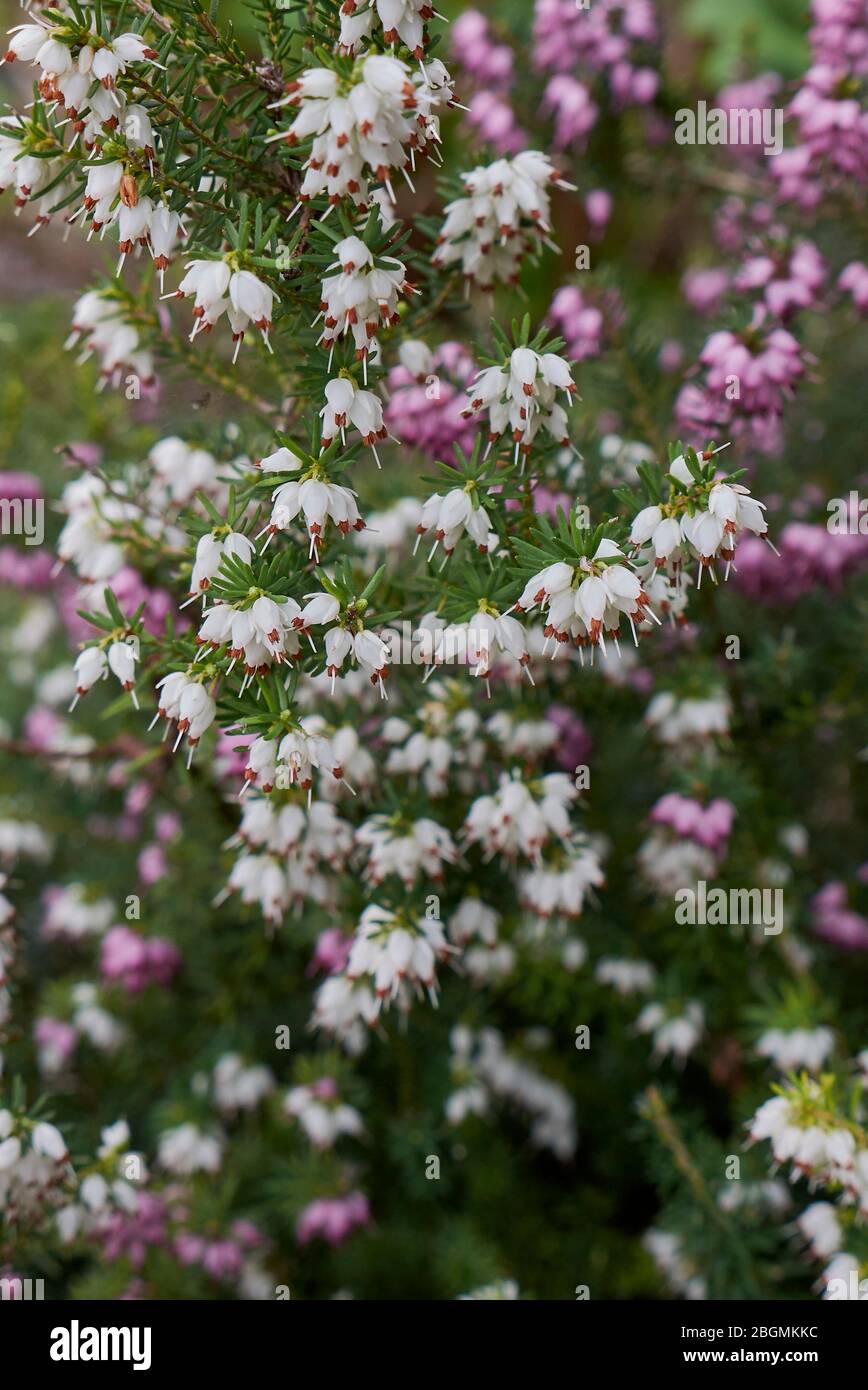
(485,1071)
(520,395)
(505,210)
(365,126)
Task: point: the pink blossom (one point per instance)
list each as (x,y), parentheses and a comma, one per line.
(574,746)
(710,826)
(598,209)
(167,825)
(333,1218)
(331,952)
(579,323)
(56,1042)
(152,865)
(788,284)
(494,121)
(19,485)
(128,1235)
(136,961)
(704,289)
(25,569)
(488,63)
(574,112)
(835,920)
(427,415)
(41,726)
(854,280)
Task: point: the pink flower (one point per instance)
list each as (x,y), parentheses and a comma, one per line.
(152,865)
(704,289)
(710,826)
(41,726)
(25,569)
(494,121)
(574,746)
(222,1259)
(574,112)
(333,1218)
(854,280)
(786,285)
(136,961)
(598,209)
(56,1043)
(488,63)
(325,1088)
(835,921)
(19,485)
(426,415)
(127,1235)
(579,323)
(331,953)
(167,825)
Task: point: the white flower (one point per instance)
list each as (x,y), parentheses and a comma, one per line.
(585,603)
(113,1138)
(164,232)
(392,954)
(504,213)
(10,1153)
(25,41)
(705,522)
(799,1047)
(627,976)
(346,404)
(347,1009)
(261,767)
(240,1087)
(484,1069)
(321,1113)
(500,1291)
(819,1225)
(674,1033)
(186,1150)
(99,320)
(48,1140)
(114,56)
(417,358)
(453,515)
(363,127)
(360,298)
(122,657)
(674,720)
(473,920)
(305,749)
(90,666)
(561,890)
(217,289)
(134,225)
(678,1271)
(520,395)
(196,709)
(421,847)
(520,818)
(318,502)
(372,654)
